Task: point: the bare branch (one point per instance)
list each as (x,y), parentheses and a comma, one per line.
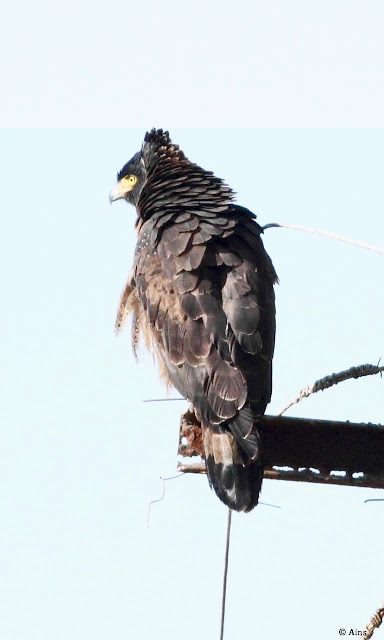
(194,467)
(374,623)
(331,380)
(328,234)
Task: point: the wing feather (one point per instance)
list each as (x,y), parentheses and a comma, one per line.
(206,290)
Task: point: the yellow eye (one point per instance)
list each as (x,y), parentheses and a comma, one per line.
(132,180)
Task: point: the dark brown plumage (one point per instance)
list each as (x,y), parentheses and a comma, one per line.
(201,293)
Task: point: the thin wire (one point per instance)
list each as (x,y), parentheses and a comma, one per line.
(319,232)
(229,521)
(267,504)
(162,399)
(163,480)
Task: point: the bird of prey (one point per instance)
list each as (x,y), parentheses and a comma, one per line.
(201,295)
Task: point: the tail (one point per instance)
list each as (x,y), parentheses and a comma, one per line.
(235,477)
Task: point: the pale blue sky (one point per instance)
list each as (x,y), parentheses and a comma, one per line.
(81,452)
(207,63)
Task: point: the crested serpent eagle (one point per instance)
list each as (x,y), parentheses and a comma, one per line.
(201,294)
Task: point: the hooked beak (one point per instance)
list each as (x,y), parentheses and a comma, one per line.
(118,192)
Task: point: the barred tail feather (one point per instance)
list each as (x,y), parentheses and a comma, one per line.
(235,478)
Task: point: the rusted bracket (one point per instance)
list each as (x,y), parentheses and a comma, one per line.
(305,450)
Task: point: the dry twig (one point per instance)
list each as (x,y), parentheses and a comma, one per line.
(374,623)
(329,381)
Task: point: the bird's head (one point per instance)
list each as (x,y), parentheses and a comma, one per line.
(157,147)
(130,181)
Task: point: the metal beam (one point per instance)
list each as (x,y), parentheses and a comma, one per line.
(305,450)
